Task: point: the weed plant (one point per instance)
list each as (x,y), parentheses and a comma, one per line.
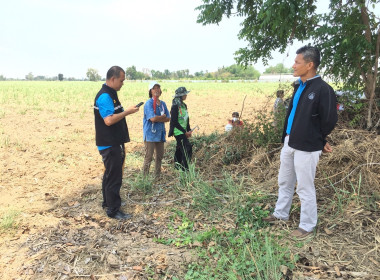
(142,184)
(8,221)
(204,195)
(242,253)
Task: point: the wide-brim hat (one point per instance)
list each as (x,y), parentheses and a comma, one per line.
(152,84)
(181,91)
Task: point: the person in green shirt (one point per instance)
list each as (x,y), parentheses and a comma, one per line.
(180,129)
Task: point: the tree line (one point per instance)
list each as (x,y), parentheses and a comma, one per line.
(233,72)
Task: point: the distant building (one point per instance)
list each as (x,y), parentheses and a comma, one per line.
(285,78)
(277,78)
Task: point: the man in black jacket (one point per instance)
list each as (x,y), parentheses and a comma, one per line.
(311,116)
(111,134)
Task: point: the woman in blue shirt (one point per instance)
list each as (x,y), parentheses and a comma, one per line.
(155,115)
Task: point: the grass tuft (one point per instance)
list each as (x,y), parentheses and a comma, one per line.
(8,220)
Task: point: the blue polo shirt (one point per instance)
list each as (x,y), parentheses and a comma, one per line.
(154,132)
(295,103)
(106,108)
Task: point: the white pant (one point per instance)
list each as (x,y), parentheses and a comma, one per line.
(297,166)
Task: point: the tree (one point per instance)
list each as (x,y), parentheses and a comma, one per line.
(29,77)
(167,74)
(2,78)
(132,74)
(278,69)
(60,77)
(348,35)
(93,75)
(39,78)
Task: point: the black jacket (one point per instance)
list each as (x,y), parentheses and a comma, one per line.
(174,121)
(315,116)
(115,134)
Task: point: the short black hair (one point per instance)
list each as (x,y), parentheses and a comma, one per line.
(114,71)
(235,114)
(310,54)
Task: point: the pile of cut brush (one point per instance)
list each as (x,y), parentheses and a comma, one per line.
(356,154)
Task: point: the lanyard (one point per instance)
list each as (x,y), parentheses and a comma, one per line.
(161,106)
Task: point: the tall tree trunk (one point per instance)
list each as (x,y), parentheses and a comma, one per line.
(373,86)
(371,75)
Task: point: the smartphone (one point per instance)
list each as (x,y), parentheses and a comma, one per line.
(141,103)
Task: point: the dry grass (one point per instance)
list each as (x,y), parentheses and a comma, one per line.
(51,174)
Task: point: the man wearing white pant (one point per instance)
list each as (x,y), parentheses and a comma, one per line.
(310,118)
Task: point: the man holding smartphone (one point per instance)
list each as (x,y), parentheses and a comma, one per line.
(111,134)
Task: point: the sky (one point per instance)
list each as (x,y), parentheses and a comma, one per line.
(48,37)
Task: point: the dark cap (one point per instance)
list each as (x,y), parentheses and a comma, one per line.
(181,91)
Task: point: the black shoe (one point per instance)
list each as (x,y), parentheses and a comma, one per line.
(123,203)
(121,216)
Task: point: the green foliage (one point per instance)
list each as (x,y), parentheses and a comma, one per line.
(264,132)
(204,195)
(266,26)
(278,69)
(250,214)
(210,142)
(182,227)
(8,220)
(132,74)
(233,72)
(347,35)
(242,253)
(237,72)
(93,75)
(60,77)
(237,144)
(29,77)
(342,38)
(343,196)
(354,109)
(143,183)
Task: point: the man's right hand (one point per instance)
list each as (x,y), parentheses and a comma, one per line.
(132,110)
(110,120)
(188,134)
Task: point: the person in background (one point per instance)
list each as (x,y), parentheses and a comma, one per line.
(234,122)
(111,133)
(311,116)
(155,115)
(180,129)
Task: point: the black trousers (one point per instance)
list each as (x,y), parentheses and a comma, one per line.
(183,152)
(113,159)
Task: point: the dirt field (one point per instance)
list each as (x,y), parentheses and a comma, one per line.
(51,183)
